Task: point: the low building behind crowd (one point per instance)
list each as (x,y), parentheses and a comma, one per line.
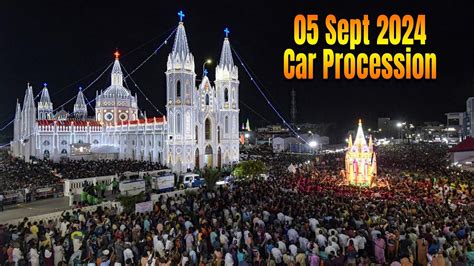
(463,153)
(307,143)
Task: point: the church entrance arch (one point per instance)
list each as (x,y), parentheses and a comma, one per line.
(208,156)
(219,158)
(196,159)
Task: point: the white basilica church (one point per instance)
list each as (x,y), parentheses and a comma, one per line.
(200,128)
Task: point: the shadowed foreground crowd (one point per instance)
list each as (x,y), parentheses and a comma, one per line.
(417,216)
(17,174)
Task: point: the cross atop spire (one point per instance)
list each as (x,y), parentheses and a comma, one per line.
(181,15)
(226,31)
(205,72)
(117,54)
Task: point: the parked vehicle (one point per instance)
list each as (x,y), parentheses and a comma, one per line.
(132,187)
(189,180)
(162,183)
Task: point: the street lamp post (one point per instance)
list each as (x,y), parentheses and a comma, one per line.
(204,72)
(399,125)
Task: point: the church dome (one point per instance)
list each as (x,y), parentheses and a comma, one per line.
(116,91)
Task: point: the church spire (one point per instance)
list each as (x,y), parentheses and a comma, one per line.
(30,99)
(180,57)
(180,46)
(45,106)
(18,109)
(45,94)
(117,75)
(17,122)
(226,69)
(80,108)
(226,53)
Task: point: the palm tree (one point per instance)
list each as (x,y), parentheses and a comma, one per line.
(211,175)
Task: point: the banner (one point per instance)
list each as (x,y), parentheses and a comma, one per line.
(143,207)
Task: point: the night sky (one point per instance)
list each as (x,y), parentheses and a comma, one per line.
(68,43)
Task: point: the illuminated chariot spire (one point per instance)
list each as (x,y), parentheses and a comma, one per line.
(361,162)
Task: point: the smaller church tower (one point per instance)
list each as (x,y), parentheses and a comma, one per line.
(45,106)
(227,88)
(80,107)
(15,144)
(28,125)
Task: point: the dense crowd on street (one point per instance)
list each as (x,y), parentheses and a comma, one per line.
(420,214)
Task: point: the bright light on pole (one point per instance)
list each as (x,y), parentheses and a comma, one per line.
(246,135)
(313,144)
(208,61)
(399,124)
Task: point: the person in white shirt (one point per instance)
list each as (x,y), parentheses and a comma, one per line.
(34,257)
(276,253)
(313,223)
(343,240)
(292,235)
(17,256)
(293,250)
(127,253)
(281,246)
(322,240)
(360,242)
(228,261)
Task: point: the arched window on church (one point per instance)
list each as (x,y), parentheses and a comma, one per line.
(207,99)
(46,143)
(207,129)
(196,133)
(178,123)
(226,95)
(218,135)
(187,93)
(226,124)
(178,88)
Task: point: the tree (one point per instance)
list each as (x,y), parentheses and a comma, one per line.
(211,175)
(249,169)
(128,202)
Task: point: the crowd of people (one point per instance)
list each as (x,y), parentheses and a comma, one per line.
(16,174)
(420,215)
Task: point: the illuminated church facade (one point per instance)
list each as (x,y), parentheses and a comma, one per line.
(201,127)
(361,161)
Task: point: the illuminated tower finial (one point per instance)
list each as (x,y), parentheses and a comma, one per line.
(226,31)
(117,54)
(181,15)
(360,122)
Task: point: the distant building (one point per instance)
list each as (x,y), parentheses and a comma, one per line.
(307,143)
(463,153)
(470,116)
(455,126)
